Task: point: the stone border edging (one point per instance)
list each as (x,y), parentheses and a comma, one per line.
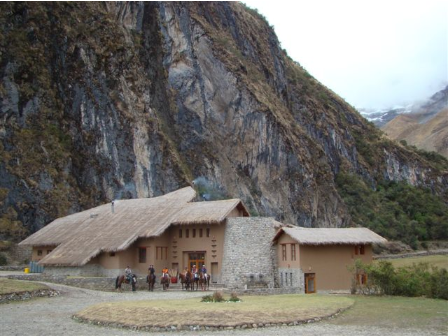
(27,295)
(174,328)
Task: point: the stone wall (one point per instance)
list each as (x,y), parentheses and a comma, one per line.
(249,257)
(291,278)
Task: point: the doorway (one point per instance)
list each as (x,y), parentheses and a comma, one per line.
(310,283)
(196,258)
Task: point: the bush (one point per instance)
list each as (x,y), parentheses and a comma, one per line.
(217,297)
(207,298)
(234,298)
(3,260)
(415,280)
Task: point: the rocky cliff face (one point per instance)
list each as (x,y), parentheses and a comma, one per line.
(109,100)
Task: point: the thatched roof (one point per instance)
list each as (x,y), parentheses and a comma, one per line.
(327,236)
(82,236)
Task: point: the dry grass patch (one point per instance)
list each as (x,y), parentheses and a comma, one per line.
(397,312)
(8,286)
(252,309)
(440,261)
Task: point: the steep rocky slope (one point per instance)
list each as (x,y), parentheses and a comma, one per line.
(431,135)
(108,100)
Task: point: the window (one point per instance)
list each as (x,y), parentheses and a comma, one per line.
(142,255)
(194,233)
(39,252)
(112,254)
(49,251)
(359,249)
(207,232)
(161,252)
(180,233)
(200,233)
(187,233)
(284,252)
(293,251)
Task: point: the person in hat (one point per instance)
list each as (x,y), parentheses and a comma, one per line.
(128,273)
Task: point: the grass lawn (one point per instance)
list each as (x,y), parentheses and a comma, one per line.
(441,261)
(8,286)
(252,309)
(396,312)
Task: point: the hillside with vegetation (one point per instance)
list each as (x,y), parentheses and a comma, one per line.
(101,101)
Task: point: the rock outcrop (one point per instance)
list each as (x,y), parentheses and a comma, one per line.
(135,99)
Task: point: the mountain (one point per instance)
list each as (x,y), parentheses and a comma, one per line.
(426,127)
(382,116)
(425,109)
(100,101)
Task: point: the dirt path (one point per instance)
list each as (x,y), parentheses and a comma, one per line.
(52,316)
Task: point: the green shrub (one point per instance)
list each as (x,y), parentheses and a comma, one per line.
(207,298)
(3,260)
(415,280)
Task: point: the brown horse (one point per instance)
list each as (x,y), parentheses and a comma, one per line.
(165,282)
(204,281)
(194,281)
(151,280)
(185,279)
(123,279)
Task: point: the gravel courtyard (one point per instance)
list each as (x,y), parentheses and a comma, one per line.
(52,316)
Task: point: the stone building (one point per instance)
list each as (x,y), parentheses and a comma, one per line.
(172,231)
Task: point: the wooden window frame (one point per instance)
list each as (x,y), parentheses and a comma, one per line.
(193,233)
(39,253)
(187,233)
(180,233)
(293,252)
(284,255)
(207,232)
(200,233)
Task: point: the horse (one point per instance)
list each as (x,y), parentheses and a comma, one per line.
(185,280)
(151,280)
(194,281)
(123,279)
(204,281)
(165,282)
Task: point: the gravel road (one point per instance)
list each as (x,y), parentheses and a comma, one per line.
(52,316)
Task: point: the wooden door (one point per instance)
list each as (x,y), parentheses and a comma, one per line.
(310,283)
(196,258)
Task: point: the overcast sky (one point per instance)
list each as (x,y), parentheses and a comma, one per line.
(374,54)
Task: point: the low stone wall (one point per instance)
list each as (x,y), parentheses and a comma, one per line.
(22,296)
(411,254)
(100,283)
(13,268)
(263,291)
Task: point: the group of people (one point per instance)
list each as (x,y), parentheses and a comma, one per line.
(151,271)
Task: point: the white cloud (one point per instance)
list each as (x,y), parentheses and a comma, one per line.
(372,53)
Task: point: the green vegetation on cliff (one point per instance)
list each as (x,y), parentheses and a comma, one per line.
(395,210)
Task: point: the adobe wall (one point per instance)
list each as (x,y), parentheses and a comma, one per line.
(248,256)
